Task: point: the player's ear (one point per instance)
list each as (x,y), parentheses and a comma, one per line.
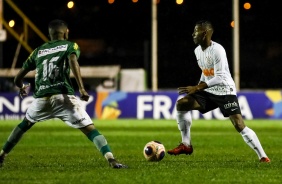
(66,35)
(205,34)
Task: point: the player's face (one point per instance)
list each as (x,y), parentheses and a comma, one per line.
(198,34)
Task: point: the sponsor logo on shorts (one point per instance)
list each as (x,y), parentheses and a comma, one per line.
(78,121)
(232,105)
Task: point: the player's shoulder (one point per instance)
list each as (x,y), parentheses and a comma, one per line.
(69,41)
(216,45)
(74,45)
(197,48)
(68,44)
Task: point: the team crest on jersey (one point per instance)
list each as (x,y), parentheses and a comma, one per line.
(209,60)
(75,46)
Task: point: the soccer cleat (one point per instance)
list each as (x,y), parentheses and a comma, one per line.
(114,164)
(1,160)
(181,149)
(264,159)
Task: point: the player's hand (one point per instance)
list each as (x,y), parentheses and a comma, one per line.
(188,90)
(83,95)
(24,90)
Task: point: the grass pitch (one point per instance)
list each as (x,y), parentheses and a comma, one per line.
(51,152)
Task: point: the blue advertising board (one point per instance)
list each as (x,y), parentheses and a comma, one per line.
(151,105)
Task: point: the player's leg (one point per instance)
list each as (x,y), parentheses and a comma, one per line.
(14,138)
(101,144)
(249,136)
(37,111)
(68,108)
(184,121)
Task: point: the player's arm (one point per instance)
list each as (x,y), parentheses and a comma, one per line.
(18,80)
(201,85)
(77,75)
(192,89)
(219,65)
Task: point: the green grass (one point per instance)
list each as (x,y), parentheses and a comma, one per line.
(52,152)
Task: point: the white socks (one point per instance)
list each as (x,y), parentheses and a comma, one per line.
(252,140)
(109,155)
(184,121)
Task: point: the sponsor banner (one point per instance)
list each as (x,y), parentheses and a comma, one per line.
(151,105)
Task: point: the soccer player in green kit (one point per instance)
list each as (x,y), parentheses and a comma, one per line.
(54,94)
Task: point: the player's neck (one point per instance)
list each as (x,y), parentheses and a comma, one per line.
(206,44)
(57,38)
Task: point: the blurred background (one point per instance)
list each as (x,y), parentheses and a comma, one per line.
(119,32)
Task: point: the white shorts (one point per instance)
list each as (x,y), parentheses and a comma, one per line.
(65,107)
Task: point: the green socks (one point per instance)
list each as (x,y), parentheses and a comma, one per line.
(16,135)
(100,142)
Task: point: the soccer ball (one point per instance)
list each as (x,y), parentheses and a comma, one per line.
(154,151)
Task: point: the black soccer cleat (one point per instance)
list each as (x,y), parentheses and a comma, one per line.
(2,157)
(114,164)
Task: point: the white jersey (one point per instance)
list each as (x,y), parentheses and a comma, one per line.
(215,70)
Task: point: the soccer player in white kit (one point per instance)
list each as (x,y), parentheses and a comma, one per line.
(54,93)
(216,89)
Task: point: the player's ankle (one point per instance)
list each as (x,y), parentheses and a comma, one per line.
(3,154)
(109,155)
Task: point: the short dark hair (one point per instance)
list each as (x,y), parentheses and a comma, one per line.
(205,23)
(57,23)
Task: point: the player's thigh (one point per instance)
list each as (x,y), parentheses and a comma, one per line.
(187,103)
(71,111)
(39,110)
(229,105)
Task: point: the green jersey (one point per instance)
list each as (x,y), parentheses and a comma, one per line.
(50,61)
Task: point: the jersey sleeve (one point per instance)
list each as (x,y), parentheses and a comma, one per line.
(74,49)
(219,65)
(30,62)
(202,78)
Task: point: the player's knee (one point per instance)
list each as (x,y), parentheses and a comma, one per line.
(89,128)
(180,104)
(237,122)
(25,125)
(183,104)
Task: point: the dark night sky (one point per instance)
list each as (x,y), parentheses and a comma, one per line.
(121,34)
